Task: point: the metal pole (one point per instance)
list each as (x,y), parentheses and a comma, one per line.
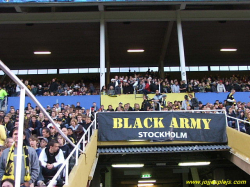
(95,120)
(181,48)
(102,53)
(19,158)
(67,173)
(76,163)
(238,125)
(28,92)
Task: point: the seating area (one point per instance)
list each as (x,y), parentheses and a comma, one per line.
(74,119)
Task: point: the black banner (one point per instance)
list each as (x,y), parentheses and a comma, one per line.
(161,126)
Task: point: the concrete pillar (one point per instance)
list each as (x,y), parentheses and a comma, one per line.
(195,176)
(181,48)
(185,179)
(219,174)
(108,177)
(102,53)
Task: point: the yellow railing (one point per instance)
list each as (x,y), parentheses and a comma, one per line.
(238,141)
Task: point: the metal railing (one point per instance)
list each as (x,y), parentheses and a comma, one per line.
(237,121)
(65,165)
(24,90)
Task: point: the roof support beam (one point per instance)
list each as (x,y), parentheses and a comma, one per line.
(121,16)
(18,9)
(165,47)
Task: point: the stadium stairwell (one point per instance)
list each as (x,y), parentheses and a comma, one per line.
(82,173)
(240,150)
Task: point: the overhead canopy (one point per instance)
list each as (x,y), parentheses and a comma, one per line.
(72,33)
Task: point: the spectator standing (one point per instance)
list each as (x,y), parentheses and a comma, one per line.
(175,87)
(183,87)
(53,86)
(230,99)
(185,103)
(157,99)
(118,89)
(221,87)
(194,102)
(146,105)
(3,94)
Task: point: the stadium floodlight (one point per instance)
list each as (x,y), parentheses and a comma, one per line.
(135,50)
(127,165)
(193,163)
(228,49)
(42,52)
(146,181)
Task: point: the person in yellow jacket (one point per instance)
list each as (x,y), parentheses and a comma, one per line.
(3,134)
(3,94)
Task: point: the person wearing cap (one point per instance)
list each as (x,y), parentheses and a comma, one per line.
(221,87)
(71,136)
(53,131)
(163,101)
(43,143)
(46,133)
(112,83)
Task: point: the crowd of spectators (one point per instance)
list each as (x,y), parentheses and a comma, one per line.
(54,87)
(51,147)
(74,120)
(150,83)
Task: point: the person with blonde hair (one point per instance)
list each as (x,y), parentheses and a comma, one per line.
(8,142)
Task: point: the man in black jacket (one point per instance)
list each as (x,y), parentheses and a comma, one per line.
(194,102)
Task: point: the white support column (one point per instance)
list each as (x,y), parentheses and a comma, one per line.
(181,47)
(102,52)
(19,158)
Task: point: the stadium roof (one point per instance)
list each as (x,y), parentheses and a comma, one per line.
(71,32)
